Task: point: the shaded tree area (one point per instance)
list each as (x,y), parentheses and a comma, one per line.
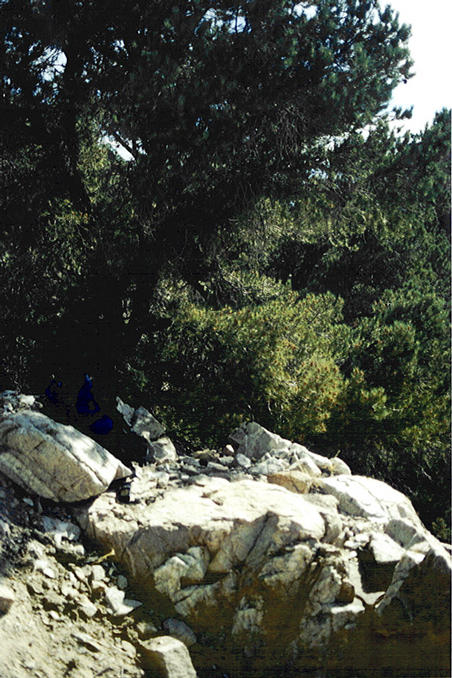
(271,249)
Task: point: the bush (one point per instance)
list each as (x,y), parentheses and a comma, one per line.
(276,363)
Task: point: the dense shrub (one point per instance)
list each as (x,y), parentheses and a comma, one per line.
(277,362)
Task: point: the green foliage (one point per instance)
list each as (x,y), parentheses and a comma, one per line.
(275,362)
(366,216)
(400,429)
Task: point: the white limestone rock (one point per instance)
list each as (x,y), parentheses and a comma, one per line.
(60,529)
(162,450)
(269,465)
(254,441)
(242,460)
(7,597)
(146,425)
(126,410)
(293,480)
(54,461)
(420,590)
(167,657)
(13,401)
(118,603)
(308,568)
(372,499)
(233,521)
(384,549)
(180,630)
(140,420)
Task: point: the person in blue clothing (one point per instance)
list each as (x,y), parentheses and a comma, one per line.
(56,402)
(124,444)
(86,405)
(85,400)
(53,391)
(103,425)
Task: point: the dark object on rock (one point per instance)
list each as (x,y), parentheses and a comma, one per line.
(53,391)
(132,447)
(123,492)
(85,400)
(102,426)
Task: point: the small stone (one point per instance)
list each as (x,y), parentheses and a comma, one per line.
(346,593)
(54,615)
(35,588)
(78,549)
(179,629)
(82,573)
(35,550)
(167,657)
(215,467)
(146,630)
(60,529)
(162,450)
(98,589)
(88,608)
(44,567)
(118,604)
(227,461)
(190,470)
(268,466)
(26,400)
(122,582)
(162,479)
(28,501)
(7,598)
(51,601)
(97,573)
(242,460)
(73,579)
(129,649)
(87,641)
(68,591)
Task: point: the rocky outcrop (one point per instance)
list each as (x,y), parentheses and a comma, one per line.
(142,423)
(52,460)
(260,558)
(284,560)
(55,621)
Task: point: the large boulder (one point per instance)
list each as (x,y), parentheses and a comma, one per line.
(298,569)
(140,421)
(52,460)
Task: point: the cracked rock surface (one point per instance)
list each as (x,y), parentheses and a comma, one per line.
(262,558)
(53,460)
(302,567)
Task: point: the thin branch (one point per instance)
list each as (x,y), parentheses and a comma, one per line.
(117,137)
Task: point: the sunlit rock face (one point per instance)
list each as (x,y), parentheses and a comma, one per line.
(296,564)
(52,460)
(264,558)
